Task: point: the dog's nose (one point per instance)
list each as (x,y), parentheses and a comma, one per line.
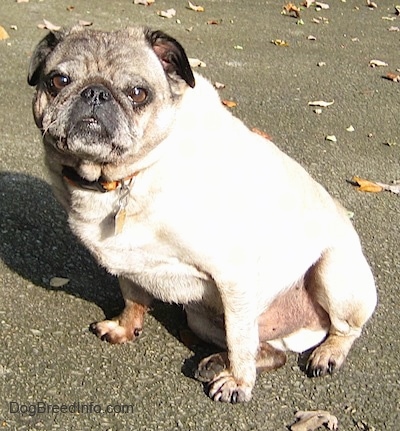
(96,95)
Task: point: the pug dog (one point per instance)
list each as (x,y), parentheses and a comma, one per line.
(182,202)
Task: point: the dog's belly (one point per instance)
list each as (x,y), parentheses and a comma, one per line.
(293,321)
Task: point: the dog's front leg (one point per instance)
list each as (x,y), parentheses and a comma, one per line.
(129,324)
(235,383)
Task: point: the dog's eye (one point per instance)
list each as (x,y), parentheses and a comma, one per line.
(137,95)
(57,82)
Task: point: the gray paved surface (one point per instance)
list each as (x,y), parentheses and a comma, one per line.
(47,353)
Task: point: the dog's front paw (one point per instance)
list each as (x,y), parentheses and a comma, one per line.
(226,389)
(113,332)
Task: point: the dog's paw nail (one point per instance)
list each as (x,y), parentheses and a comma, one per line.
(331,367)
(137,332)
(93,327)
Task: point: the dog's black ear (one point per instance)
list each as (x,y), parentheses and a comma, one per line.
(42,50)
(171,54)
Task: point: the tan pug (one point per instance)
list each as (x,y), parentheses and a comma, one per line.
(183,203)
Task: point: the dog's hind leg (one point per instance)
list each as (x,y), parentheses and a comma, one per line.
(342,283)
(217,365)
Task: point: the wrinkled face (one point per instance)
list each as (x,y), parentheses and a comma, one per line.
(106,97)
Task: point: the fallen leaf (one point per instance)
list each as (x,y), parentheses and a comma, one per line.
(36,332)
(144,2)
(394,188)
(70,8)
(219,85)
(307,3)
(311,420)
(85,23)
(58,281)
(321,5)
(194,7)
(279,42)
(169,13)
(47,25)
(229,103)
(261,133)
(393,28)
(321,103)
(331,138)
(291,8)
(3,34)
(214,21)
(366,186)
(393,77)
(377,63)
(195,62)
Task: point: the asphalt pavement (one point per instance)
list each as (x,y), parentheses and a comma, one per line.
(55,374)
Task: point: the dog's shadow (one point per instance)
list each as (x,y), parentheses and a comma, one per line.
(36,243)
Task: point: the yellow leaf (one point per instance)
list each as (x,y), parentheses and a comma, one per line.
(194,7)
(367,186)
(3,34)
(229,103)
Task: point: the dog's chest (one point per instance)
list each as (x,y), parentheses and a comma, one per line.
(140,252)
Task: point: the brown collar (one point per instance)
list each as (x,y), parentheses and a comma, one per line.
(99,185)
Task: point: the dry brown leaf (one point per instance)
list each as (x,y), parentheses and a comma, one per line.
(214,21)
(367,186)
(229,103)
(3,33)
(393,77)
(195,7)
(70,8)
(261,133)
(47,25)
(311,420)
(290,7)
